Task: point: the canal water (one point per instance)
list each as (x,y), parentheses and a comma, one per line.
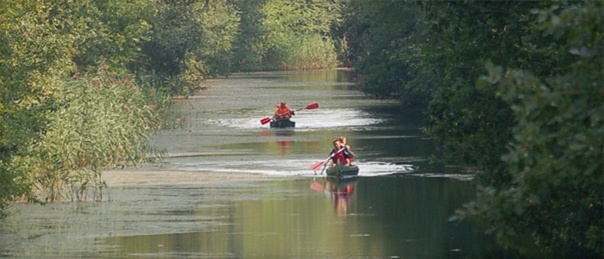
(396,208)
(219,130)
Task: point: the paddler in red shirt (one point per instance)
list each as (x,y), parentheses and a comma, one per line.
(338,153)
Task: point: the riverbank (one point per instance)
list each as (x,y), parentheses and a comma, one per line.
(136,202)
(129,177)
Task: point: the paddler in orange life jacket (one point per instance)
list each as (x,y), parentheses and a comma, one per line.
(283,112)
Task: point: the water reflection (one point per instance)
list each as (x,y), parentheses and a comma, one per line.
(280,137)
(339,190)
(376,217)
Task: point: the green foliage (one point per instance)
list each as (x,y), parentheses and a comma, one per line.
(433,57)
(381,39)
(546,124)
(35,46)
(555,157)
(297,34)
(248,48)
(174,32)
(115,33)
(284,34)
(219,22)
(471,124)
(41,158)
(190,41)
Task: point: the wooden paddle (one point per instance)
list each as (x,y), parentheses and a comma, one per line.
(308,107)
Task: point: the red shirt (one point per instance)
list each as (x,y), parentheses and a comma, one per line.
(338,155)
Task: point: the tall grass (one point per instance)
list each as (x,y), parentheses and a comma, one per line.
(101,120)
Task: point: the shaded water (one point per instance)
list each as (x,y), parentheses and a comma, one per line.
(393,210)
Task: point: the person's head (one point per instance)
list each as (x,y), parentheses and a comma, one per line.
(336,143)
(283,104)
(342,140)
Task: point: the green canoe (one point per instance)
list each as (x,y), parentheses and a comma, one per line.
(283,124)
(341,170)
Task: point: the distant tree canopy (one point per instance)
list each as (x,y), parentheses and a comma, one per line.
(513,87)
(286,34)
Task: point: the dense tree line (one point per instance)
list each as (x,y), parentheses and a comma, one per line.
(513,88)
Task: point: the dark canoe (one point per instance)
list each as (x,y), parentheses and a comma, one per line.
(283,124)
(341,170)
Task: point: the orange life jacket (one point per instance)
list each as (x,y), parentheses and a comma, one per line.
(283,112)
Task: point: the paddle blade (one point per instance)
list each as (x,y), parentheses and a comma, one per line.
(316,186)
(312,106)
(265,120)
(316,165)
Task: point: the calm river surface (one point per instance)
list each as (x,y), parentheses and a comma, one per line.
(396,208)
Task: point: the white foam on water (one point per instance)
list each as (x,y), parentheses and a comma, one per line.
(317,119)
(287,167)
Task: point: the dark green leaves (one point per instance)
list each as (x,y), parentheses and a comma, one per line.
(532,121)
